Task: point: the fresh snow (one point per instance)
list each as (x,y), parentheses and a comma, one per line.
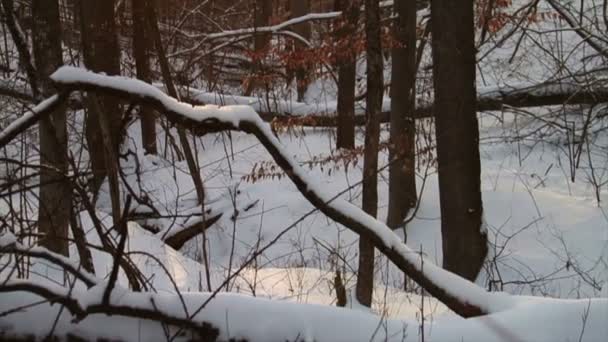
(548,236)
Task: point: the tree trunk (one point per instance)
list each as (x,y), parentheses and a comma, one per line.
(101,54)
(262,12)
(141,50)
(193,168)
(375,89)
(55,199)
(80,240)
(457,132)
(402,173)
(300,8)
(347,71)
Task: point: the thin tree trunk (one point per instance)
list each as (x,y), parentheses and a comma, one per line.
(365,275)
(402,174)
(347,72)
(457,131)
(55,200)
(80,240)
(101,54)
(300,8)
(172,91)
(262,12)
(141,50)
(190,158)
(20,41)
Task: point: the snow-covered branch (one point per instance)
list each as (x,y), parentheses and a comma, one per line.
(279,29)
(587,36)
(9,244)
(31,117)
(126,304)
(462,296)
(551,93)
(273,28)
(15,90)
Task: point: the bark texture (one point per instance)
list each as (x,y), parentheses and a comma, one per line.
(142,48)
(55,198)
(457,132)
(347,71)
(101,54)
(375,89)
(402,173)
(302,71)
(263,12)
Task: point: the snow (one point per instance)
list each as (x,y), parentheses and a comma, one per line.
(548,235)
(29,115)
(258,319)
(230,114)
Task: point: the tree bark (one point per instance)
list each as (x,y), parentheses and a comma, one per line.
(402,173)
(300,8)
(55,199)
(347,72)
(457,134)
(262,12)
(142,43)
(365,274)
(20,41)
(80,240)
(101,54)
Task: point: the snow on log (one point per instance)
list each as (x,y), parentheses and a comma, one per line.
(462,296)
(281,112)
(551,93)
(31,117)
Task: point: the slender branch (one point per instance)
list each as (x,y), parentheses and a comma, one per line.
(25,57)
(581,31)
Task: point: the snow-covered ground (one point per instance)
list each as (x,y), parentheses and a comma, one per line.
(548,234)
(551,240)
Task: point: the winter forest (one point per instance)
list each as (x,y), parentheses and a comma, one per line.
(304,170)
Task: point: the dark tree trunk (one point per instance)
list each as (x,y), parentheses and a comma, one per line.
(375,89)
(347,71)
(262,12)
(457,131)
(55,199)
(402,173)
(300,8)
(142,42)
(101,54)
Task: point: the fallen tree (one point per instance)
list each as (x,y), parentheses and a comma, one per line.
(550,93)
(554,93)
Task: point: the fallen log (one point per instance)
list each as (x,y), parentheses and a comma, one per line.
(547,94)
